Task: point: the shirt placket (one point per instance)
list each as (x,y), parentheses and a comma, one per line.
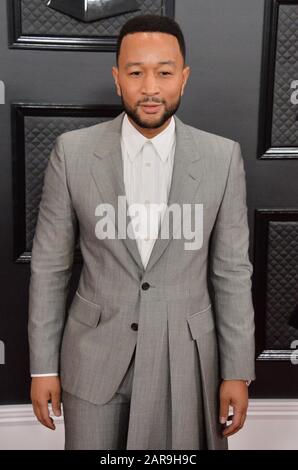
(148,198)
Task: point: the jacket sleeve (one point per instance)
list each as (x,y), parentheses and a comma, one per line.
(51,265)
(230,275)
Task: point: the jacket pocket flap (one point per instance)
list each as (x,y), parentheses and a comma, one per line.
(201,322)
(85,311)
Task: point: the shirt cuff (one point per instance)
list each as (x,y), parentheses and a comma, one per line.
(54,374)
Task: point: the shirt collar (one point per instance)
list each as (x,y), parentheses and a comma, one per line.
(134,140)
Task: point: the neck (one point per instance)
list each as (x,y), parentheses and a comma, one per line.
(150,133)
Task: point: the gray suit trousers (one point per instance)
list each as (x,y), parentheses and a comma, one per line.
(98,427)
(90,426)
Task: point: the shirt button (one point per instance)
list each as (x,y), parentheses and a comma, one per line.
(134,326)
(145,285)
(148,164)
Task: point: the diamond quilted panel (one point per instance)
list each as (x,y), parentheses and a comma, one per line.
(284,123)
(282,282)
(40,135)
(38,19)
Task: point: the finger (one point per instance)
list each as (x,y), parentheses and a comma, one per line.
(36,410)
(236,424)
(223,410)
(56,404)
(243,419)
(44,415)
(236,421)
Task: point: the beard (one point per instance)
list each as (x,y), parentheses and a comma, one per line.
(169,111)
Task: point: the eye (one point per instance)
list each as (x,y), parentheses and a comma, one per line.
(133,73)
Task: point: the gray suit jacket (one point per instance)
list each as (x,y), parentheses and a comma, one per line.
(93,350)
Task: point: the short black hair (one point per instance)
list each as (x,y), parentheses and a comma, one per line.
(152,23)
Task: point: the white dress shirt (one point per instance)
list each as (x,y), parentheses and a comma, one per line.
(147,174)
(147,168)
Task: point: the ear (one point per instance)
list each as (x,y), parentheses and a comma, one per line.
(185,73)
(115,75)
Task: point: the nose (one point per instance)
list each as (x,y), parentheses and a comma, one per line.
(149,85)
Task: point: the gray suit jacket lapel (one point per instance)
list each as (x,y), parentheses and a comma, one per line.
(107,172)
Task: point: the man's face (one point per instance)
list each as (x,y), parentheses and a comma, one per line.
(150,77)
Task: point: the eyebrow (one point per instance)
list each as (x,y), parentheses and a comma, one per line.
(164,62)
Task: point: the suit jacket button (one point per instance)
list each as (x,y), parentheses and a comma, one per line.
(145,285)
(134,326)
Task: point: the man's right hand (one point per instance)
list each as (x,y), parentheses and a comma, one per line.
(42,390)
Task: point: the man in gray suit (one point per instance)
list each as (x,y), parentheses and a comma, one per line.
(159,337)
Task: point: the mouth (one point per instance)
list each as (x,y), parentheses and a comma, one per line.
(150,109)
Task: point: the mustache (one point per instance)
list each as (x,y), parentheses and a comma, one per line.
(153,100)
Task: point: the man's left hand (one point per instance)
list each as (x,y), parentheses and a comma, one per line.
(235,394)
